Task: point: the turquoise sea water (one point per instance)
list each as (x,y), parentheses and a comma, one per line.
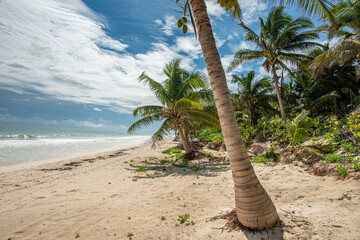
(20,143)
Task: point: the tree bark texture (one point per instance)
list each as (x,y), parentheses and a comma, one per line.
(254,207)
(184,140)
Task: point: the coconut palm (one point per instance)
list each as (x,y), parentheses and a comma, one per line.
(254,208)
(279,43)
(179,108)
(347,16)
(320,8)
(253,94)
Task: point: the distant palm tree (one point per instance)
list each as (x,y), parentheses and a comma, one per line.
(180,106)
(279,43)
(253,94)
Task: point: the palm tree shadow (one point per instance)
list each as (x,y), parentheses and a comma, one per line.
(155,169)
(274,233)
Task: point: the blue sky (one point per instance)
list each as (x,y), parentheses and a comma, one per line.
(75,63)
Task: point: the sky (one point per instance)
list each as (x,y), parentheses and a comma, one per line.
(76,63)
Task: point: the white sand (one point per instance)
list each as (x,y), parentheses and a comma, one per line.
(95,200)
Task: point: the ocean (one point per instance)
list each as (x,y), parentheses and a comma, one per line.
(21,143)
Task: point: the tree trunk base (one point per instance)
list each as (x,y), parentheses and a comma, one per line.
(234,224)
(189,156)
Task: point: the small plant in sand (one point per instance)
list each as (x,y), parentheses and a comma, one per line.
(141,169)
(132,160)
(208,153)
(184,163)
(77,235)
(260,159)
(157,173)
(134,179)
(129,217)
(342,170)
(162,218)
(184,219)
(129,235)
(296,163)
(345,195)
(163,161)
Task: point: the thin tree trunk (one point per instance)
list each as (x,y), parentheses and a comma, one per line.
(254,207)
(184,141)
(282,87)
(276,84)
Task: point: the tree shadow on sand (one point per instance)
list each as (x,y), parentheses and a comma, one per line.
(156,168)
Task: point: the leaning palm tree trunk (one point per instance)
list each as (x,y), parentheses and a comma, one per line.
(184,140)
(254,207)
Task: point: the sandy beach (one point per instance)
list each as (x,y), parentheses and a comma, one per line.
(101,196)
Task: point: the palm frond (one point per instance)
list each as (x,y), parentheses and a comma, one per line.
(143,122)
(155,87)
(148,110)
(163,131)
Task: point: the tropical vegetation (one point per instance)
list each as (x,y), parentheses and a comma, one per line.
(181,108)
(313,94)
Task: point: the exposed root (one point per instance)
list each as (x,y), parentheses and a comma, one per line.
(232,223)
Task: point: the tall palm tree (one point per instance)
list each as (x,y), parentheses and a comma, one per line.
(279,43)
(253,94)
(254,207)
(179,103)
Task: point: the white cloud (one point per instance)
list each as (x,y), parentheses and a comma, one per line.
(97,109)
(189,45)
(214,9)
(251,10)
(219,41)
(169,24)
(89,123)
(60,48)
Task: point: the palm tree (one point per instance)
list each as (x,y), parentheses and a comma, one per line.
(254,208)
(320,8)
(347,16)
(279,42)
(179,103)
(253,94)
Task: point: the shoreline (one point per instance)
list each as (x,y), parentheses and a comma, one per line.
(138,190)
(25,165)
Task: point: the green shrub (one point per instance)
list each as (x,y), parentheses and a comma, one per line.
(342,170)
(356,165)
(271,154)
(329,149)
(333,158)
(353,123)
(210,136)
(348,146)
